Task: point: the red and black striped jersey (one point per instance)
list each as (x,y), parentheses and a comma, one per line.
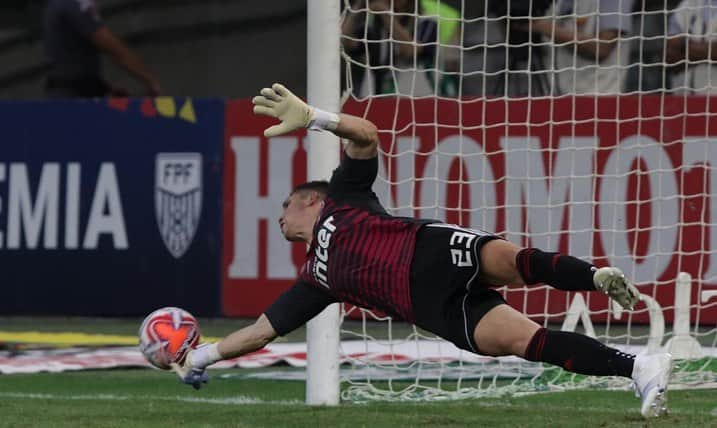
(359,253)
(363,257)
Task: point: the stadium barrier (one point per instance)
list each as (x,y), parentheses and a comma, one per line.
(110,207)
(116,207)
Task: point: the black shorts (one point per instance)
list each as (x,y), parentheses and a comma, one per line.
(447,297)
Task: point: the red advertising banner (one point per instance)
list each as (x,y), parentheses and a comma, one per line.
(626,181)
(257,263)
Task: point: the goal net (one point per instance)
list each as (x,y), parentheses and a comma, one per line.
(578,127)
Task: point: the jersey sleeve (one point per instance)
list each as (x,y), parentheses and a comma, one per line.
(296,306)
(83,16)
(353,176)
(615,15)
(678,23)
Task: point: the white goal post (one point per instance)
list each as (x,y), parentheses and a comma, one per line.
(323,91)
(488,122)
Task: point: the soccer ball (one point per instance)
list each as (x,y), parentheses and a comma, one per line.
(167,335)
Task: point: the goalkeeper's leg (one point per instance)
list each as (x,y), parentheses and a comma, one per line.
(505,263)
(505,331)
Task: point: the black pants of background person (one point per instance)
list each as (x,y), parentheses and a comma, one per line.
(88,87)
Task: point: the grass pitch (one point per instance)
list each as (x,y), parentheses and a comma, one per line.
(150,398)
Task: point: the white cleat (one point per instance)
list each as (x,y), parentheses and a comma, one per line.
(611,281)
(650,376)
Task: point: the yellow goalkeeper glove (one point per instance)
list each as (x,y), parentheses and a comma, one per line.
(192,370)
(190,375)
(280,103)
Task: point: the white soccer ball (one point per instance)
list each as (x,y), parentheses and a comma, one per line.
(167,335)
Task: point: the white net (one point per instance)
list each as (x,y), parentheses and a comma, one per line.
(584,127)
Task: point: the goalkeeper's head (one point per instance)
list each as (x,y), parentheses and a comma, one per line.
(301,210)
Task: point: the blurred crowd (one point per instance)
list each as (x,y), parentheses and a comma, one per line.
(75,37)
(450,48)
(529,47)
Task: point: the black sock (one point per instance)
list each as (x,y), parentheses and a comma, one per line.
(578,353)
(562,272)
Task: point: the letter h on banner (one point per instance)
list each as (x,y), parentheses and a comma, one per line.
(250,207)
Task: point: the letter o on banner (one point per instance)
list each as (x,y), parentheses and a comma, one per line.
(613,188)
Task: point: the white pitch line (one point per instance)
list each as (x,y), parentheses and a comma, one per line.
(587,409)
(233,401)
(245,400)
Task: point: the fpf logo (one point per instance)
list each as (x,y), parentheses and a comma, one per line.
(178,199)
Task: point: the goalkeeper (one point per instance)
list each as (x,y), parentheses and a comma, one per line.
(435,275)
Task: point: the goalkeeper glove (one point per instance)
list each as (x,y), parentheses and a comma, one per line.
(192,370)
(294,114)
(191,375)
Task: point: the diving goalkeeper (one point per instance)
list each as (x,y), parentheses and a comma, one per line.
(437,276)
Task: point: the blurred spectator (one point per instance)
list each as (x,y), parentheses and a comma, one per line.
(484,57)
(501,56)
(488,68)
(586,45)
(391,47)
(691,46)
(646,72)
(74,38)
(449,49)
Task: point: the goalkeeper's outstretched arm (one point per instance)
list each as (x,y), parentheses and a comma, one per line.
(192,370)
(292,309)
(279,102)
(247,339)
(243,341)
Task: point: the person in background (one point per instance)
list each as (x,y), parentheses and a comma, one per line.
(75,36)
(587,49)
(394,43)
(691,46)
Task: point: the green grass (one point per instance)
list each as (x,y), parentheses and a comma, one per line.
(148,398)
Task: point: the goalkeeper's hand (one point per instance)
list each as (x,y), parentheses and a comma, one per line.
(194,376)
(280,103)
